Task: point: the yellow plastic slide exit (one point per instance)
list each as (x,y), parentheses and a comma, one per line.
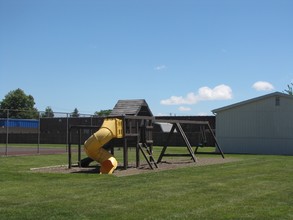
(111,128)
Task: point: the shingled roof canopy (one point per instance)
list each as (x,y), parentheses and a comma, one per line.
(135,107)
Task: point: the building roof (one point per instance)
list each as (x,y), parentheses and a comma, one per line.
(135,107)
(274,94)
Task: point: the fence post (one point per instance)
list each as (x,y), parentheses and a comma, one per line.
(39,133)
(67,132)
(7,131)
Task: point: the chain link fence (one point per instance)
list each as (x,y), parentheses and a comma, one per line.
(44,133)
(48,133)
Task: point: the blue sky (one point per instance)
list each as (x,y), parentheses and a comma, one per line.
(183,57)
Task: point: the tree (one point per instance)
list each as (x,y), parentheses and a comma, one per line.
(48,113)
(75,113)
(19,105)
(289,91)
(103,112)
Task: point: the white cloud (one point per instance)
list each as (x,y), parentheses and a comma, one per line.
(161,114)
(184,109)
(262,86)
(160,67)
(220,92)
(202,114)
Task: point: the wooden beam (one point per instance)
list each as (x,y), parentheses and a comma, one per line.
(171,121)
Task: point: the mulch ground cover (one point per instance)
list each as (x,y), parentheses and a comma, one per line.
(132,170)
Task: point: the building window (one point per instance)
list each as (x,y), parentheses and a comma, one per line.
(277,101)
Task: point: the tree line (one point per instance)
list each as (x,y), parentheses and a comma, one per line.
(17,104)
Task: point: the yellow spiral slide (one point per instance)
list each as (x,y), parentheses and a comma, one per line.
(93,146)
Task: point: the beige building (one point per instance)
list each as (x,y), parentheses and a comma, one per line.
(262,125)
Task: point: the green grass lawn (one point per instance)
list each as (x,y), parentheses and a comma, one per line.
(256,187)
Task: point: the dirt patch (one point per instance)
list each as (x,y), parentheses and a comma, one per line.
(132,170)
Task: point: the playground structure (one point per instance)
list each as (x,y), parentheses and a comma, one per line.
(131,124)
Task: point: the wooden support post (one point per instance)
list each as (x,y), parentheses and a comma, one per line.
(79,147)
(137,131)
(137,153)
(125,150)
(189,148)
(166,145)
(125,154)
(69,150)
(216,142)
